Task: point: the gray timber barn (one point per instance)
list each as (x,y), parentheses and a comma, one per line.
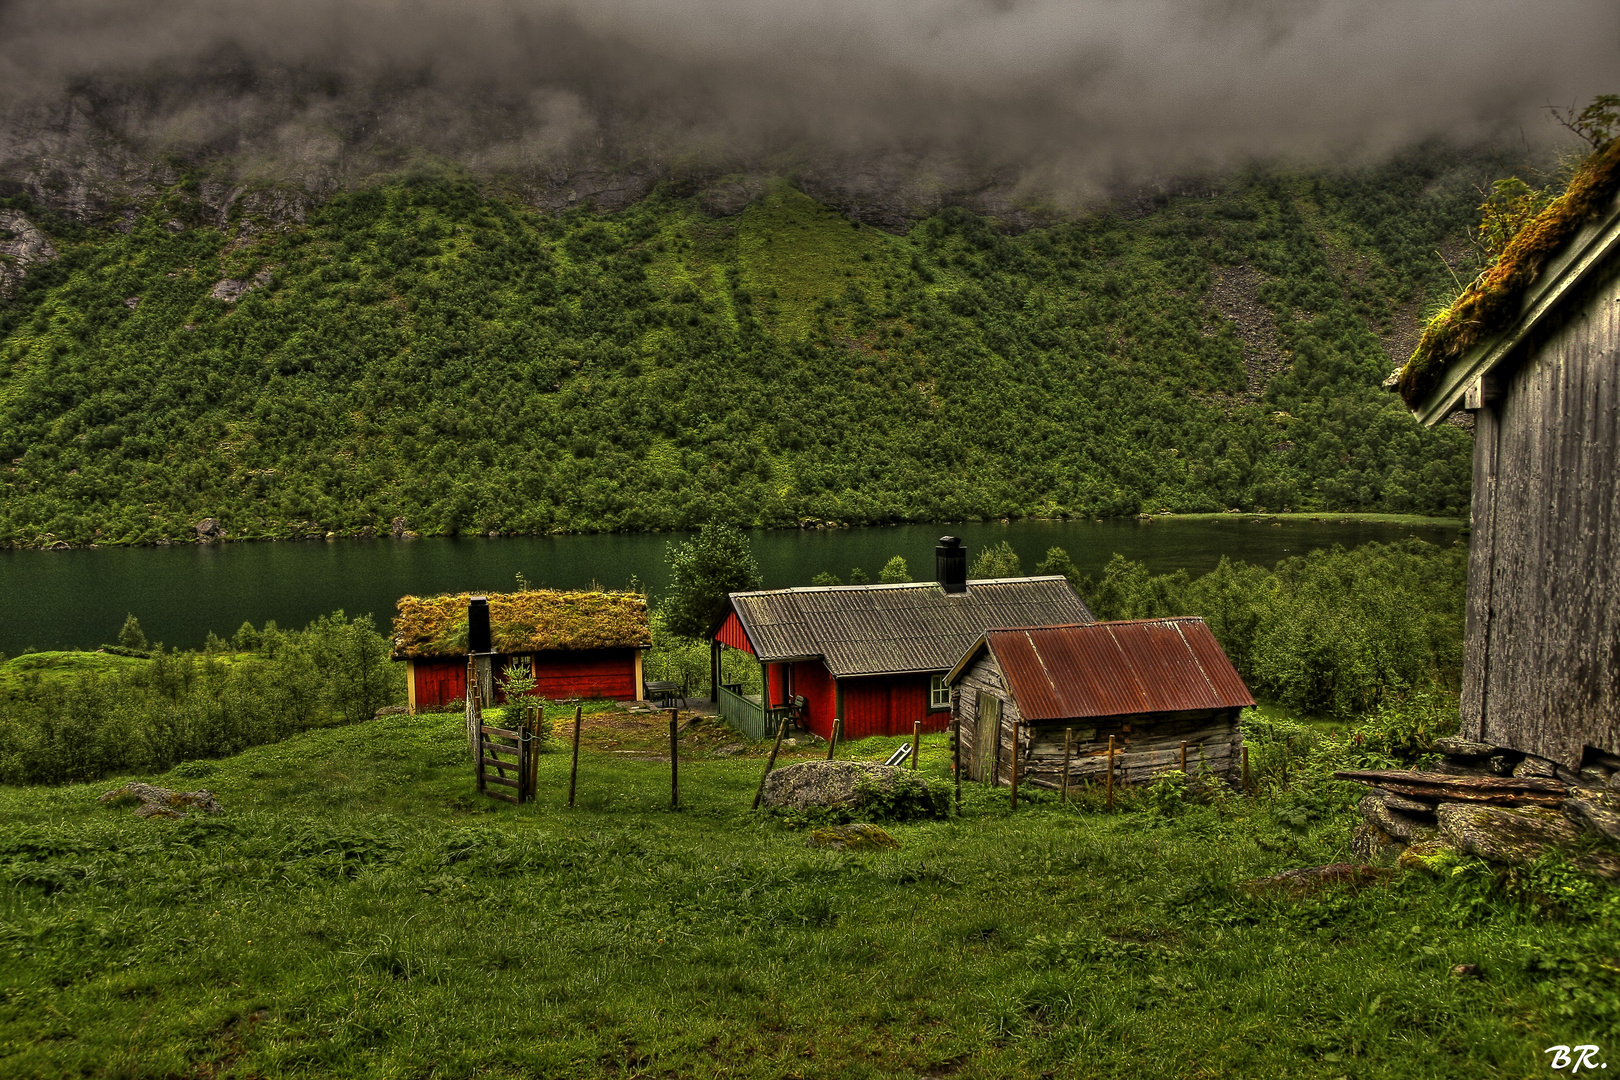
(1153,685)
(1541,669)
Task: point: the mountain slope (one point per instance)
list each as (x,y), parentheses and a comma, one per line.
(424,351)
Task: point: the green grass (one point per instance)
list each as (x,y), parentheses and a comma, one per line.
(359,910)
(60,665)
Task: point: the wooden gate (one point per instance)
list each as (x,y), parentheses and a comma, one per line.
(507,759)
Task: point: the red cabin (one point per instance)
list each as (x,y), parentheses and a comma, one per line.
(876,655)
(576,644)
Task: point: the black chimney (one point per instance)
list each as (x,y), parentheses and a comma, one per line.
(950,561)
(478,625)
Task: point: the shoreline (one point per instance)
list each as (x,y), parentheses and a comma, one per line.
(1321,517)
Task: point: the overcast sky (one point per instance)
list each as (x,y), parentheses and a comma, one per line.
(1051,88)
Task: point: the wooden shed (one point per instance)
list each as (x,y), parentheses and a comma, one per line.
(876,656)
(1151,684)
(1532,349)
(579,644)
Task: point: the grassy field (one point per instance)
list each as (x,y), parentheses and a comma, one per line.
(360,910)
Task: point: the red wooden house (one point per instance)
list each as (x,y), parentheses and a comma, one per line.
(876,655)
(577,644)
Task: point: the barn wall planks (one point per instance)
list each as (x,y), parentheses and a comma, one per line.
(602,673)
(1147,744)
(1542,667)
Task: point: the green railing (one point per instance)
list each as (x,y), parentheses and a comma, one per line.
(745,713)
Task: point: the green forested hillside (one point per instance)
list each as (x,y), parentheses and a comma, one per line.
(424,351)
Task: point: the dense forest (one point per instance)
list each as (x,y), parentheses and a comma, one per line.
(424,352)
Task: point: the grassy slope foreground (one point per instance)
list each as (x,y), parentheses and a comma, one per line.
(421,350)
(359,910)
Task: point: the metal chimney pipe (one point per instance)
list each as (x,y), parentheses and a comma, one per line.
(478,640)
(950,562)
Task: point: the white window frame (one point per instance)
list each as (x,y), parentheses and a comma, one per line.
(939,695)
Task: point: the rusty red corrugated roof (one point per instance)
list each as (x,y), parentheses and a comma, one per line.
(1116,668)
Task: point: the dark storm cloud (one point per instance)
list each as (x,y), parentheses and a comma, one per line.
(1060,91)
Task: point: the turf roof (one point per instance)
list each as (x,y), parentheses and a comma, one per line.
(536,620)
(1491,302)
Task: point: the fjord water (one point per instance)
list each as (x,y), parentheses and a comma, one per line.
(79,599)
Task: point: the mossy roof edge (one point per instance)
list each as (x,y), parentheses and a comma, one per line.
(536,620)
(1494,300)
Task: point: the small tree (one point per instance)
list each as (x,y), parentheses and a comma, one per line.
(132,636)
(997,561)
(895,571)
(826,577)
(858,576)
(701,572)
(1057,561)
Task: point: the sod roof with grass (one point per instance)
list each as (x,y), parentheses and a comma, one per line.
(1496,299)
(536,620)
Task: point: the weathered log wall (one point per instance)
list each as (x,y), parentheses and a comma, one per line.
(1542,664)
(1145,745)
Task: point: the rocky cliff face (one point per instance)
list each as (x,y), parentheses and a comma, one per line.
(22,246)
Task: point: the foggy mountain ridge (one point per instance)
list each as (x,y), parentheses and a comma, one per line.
(887,110)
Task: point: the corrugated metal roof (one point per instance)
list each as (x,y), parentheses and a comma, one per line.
(1116,668)
(890,629)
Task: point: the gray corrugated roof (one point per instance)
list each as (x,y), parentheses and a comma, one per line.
(890,629)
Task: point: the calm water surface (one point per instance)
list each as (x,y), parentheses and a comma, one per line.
(78,599)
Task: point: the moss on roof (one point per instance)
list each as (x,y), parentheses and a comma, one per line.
(1491,302)
(536,620)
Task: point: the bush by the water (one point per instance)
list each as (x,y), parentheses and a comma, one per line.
(1333,633)
(82,722)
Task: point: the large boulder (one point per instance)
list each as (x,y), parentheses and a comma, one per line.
(1518,835)
(884,790)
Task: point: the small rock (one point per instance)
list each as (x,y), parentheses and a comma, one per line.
(1594,774)
(161,802)
(1425,855)
(390,710)
(1532,766)
(1595,808)
(852,838)
(208,529)
(1309,878)
(397,528)
(1458,747)
(1465,971)
(1402,803)
(1398,824)
(1370,842)
(132,302)
(790,744)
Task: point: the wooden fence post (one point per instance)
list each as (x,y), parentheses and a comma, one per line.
(1245,768)
(573,766)
(837,733)
(1184,757)
(916,743)
(770,763)
(956,758)
(674,762)
(1110,774)
(1015,766)
(1068,757)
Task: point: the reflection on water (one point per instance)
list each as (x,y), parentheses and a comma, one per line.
(74,599)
